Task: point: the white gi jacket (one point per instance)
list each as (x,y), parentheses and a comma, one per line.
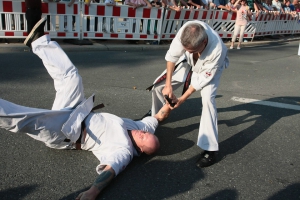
(106,137)
(214,56)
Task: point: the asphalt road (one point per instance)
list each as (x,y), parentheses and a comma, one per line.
(259,144)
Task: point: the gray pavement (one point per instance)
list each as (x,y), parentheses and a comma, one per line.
(119,45)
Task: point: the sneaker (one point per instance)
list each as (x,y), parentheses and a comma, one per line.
(36,32)
(207,158)
(231,47)
(238,48)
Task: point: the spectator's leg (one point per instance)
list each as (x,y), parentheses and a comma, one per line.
(241,35)
(235,33)
(32,17)
(208,131)
(148,27)
(67,81)
(3,21)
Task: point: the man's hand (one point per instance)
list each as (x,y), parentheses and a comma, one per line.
(87,195)
(103,179)
(168,90)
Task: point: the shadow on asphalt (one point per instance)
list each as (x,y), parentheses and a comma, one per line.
(263,118)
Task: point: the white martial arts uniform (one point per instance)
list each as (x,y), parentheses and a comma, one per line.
(107,135)
(206,77)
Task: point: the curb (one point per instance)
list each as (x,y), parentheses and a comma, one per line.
(124,46)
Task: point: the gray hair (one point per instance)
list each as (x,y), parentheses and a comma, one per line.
(193,35)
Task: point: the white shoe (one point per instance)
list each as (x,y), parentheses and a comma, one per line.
(231,47)
(238,48)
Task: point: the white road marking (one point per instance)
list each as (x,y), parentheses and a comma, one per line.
(266,103)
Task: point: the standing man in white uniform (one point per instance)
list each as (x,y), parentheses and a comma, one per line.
(199,47)
(71,124)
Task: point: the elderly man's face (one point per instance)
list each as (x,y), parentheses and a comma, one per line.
(199,49)
(147,142)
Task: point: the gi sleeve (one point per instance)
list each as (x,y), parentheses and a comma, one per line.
(118,160)
(148,124)
(176,49)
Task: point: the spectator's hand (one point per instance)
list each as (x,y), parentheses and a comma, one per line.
(149,6)
(177,9)
(88,3)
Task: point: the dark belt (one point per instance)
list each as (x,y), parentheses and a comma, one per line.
(82,134)
(83,129)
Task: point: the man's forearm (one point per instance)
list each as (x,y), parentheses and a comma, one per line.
(101,182)
(103,179)
(163,113)
(170,70)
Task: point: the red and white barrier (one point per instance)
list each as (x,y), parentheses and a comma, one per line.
(13,22)
(285,24)
(266,23)
(174,20)
(123,22)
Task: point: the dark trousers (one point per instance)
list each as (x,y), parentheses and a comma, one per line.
(32,17)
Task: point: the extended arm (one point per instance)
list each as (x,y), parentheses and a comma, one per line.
(168,90)
(101,182)
(163,113)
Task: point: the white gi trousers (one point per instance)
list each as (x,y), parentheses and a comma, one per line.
(208,130)
(46,125)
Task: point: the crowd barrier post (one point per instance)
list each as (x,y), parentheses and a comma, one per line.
(121,22)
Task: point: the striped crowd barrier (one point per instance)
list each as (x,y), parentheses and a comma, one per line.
(122,22)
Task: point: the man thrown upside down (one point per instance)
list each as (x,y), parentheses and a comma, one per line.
(71,124)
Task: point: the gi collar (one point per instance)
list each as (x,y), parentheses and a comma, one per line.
(138,150)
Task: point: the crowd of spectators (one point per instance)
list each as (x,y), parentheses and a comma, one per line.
(255,6)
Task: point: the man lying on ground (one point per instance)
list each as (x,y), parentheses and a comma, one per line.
(71,124)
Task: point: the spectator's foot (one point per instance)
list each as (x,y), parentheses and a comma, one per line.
(238,48)
(245,40)
(154,43)
(35,32)
(207,158)
(231,47)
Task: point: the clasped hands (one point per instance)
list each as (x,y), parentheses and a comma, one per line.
(170,98)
